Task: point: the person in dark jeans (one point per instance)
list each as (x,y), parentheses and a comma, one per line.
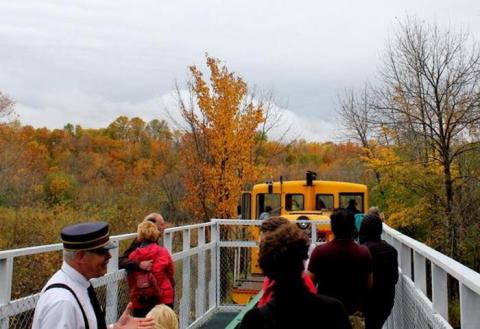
(282,255)
(380,299)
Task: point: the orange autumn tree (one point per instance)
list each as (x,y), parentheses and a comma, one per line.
(218,141)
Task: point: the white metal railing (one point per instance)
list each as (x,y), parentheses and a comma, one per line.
(414,280)
(204,254)
(202,290)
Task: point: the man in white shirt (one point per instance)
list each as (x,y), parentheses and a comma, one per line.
(68,300)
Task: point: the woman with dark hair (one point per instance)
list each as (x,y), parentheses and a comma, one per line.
(380,299)
(282,255)
(268,226)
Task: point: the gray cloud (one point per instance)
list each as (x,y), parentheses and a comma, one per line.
(120,55)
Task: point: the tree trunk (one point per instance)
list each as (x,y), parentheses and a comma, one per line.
(451,225)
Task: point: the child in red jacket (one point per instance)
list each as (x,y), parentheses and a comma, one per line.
(149,288)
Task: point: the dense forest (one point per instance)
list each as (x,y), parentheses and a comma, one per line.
(121,172)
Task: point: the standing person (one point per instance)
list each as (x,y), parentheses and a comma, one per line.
(146,265)
(282,254)
(68,299)
(380,299)
(266,214)
(268,226)
(341,268)
(155,286)
(376,211)
(352,207)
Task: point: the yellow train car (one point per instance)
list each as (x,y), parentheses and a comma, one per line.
(308,199)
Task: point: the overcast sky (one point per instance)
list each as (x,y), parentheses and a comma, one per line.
(88,62)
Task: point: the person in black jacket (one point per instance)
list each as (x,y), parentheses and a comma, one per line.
(282,255)
(380,300)
(352,207)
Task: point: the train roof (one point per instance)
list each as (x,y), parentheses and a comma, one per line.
(315,183)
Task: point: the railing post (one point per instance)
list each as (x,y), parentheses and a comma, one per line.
(406,260)
(217,266)
(469,308)
(214,285)
(200,294)
(314,233)
(167,241)
(420,272)
(6,271)
(185,301)
(439,291)
(216,238)
(111,300)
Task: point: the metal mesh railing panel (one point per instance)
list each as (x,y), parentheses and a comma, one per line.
(412,310)
(20,313)
(113,294)
(235,271)
(193,288)
(112,288)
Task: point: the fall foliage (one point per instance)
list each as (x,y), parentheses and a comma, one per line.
(217,145)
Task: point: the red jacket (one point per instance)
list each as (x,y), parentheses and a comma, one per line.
(268,284)
(162,269)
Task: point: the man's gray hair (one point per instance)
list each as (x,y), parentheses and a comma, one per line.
(69,255)
(374,211)
(152,217)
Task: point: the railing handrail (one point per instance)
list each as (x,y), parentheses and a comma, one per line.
(457,270)
(462,273)
(258,222)
(27,251)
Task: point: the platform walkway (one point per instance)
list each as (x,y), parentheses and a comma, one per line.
(212,258)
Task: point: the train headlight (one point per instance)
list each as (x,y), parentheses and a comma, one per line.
(303,226)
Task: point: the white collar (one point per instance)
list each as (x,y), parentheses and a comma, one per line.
(75,275)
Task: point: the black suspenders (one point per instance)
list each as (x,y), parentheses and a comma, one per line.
(64,286)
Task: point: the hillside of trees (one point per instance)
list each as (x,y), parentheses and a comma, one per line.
(121,172)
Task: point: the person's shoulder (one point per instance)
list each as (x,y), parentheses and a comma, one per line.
(134,245)
(327,301)
(381,248)
(161,250)
(252,319)
(388,246)
(56,308)
(58,298)
(332,308)
(319,252)
(361,249)
(323,247)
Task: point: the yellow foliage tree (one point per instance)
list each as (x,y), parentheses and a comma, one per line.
(413,193)
(218,142)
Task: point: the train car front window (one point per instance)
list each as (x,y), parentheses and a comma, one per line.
(268,202)
(351,201)
(324,202)
(294,202)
